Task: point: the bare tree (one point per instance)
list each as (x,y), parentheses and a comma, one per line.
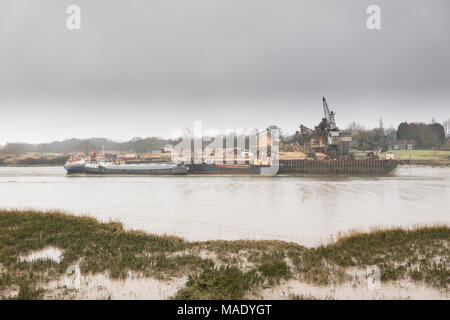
(446,125)
(355,127)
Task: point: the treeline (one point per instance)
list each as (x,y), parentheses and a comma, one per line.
(30,161)
(426,135)
(370,139)
(140,145)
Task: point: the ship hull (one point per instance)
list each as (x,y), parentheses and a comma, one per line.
(350,167)
(137,170)
(76,168)
(226,168)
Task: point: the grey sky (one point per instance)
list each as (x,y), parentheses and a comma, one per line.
(142,68)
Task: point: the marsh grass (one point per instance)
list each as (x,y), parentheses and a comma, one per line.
(420,254)
(226,282)
(28,291)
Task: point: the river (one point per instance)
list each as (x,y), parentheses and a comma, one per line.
(307,210)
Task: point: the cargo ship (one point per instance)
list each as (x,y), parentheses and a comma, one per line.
(217,168)
(167,168)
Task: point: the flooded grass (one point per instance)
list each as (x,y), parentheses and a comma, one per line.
(227,282)
(214,268)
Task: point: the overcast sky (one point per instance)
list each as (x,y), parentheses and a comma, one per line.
(146,68)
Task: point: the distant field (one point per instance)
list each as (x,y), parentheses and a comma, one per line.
(426,155)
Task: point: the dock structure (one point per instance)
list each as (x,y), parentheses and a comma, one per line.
(350,167)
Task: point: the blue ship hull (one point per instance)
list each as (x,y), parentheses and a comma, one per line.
(76,168)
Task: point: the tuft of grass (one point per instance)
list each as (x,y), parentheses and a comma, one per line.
(226,282)
(301,297)
(274,271)
(28,291)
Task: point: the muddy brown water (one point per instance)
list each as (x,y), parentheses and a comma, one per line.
(305,209)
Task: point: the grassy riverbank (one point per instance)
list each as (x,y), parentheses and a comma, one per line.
(214,269)
(33,159)
(423,157)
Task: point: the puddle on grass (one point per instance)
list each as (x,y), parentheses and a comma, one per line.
(388,291)
(101,287)
(48,253)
